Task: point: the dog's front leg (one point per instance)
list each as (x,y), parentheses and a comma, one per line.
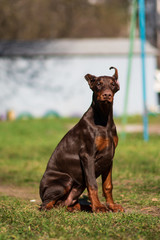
(90,179)
(107,191)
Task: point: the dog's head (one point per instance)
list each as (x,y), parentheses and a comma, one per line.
(104,87)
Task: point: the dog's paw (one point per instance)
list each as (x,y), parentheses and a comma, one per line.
(115,207)
(100,208)
(74,208)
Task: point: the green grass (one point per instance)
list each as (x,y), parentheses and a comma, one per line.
(25,147)
(22,221)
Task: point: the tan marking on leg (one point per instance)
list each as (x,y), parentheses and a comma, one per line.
(102,143)
(50,205)
(79,207)
(107,190)
(108,187)
(76,207)
(97,206)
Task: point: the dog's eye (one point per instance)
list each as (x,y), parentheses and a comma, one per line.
(99,86)
(113,84)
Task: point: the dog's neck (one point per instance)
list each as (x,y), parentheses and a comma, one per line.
(102,112)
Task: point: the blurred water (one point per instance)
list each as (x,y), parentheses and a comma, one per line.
(36,85)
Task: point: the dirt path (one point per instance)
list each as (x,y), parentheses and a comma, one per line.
(27,193)
(131,128)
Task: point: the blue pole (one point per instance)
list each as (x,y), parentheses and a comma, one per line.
(143,40)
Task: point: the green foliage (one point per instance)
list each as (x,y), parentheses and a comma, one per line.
(25,148)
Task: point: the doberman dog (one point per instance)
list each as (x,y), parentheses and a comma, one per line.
(85,153)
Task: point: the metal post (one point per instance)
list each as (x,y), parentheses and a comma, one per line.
(143,39)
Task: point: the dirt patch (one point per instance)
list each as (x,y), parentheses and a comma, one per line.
(20,192)
(135,128)
(154,211)
(132,128)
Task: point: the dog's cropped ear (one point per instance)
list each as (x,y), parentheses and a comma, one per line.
(115,76)
(90,79)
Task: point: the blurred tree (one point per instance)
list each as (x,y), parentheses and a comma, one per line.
(39,19)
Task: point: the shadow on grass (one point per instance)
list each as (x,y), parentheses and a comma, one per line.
(85,204)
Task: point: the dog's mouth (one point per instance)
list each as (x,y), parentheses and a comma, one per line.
(108,99)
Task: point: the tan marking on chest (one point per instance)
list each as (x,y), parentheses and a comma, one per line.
(102,143)
(115,139)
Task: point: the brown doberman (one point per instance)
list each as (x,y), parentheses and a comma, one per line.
(85,153)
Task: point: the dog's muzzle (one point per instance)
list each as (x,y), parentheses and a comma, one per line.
(105,96)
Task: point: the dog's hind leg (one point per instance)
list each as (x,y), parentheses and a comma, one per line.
(54,187)
(71,201)
(74,204)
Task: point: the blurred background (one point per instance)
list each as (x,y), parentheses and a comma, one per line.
(46,48)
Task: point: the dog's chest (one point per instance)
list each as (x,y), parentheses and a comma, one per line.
(104,151)
(102,143)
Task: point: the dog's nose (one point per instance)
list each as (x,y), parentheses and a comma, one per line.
(107,95)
